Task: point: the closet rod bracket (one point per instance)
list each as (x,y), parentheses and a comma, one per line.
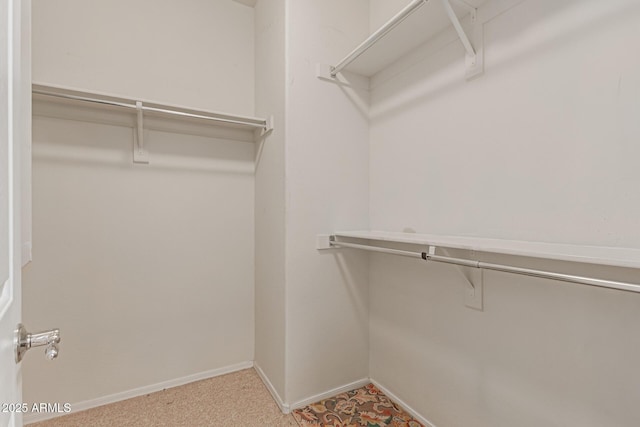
(474,45)
(140,154)
(471,272)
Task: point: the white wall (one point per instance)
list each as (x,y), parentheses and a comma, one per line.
(542,147)
(270,196)
(528,135)
(312,177)
(146,269)
(195,53)
(327,189)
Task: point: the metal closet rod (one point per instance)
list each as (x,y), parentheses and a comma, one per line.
(589,281)
(380,33)
(261,125)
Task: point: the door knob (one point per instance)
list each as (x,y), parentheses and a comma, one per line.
(24,341)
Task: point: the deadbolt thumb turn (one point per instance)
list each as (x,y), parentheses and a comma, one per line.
(24,341)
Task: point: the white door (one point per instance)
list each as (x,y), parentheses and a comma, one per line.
(12,99)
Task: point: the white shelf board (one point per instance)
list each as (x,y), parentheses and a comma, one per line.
(205,118)
(619,257)
(424,24)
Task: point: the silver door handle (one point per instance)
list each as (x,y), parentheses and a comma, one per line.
(24,341)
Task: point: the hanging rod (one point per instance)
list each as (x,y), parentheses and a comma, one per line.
(429,256)
(255,123)
(380,33)
(378,249)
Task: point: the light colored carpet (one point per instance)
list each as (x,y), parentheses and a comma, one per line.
(239,399)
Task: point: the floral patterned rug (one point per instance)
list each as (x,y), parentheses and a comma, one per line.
(366,406)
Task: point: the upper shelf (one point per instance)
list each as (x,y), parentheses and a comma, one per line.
(619,257)
(418,22)
(68,96)
(59,102)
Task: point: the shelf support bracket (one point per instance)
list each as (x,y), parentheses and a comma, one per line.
(473,277)
(474,59)
(140,155)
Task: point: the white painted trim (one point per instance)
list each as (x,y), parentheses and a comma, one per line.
(117,397)
(285,408)
(403,405)
(331,393)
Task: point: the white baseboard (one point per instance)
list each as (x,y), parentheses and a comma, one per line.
(403,405)
(347,387)
(88,404)
(285,408)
